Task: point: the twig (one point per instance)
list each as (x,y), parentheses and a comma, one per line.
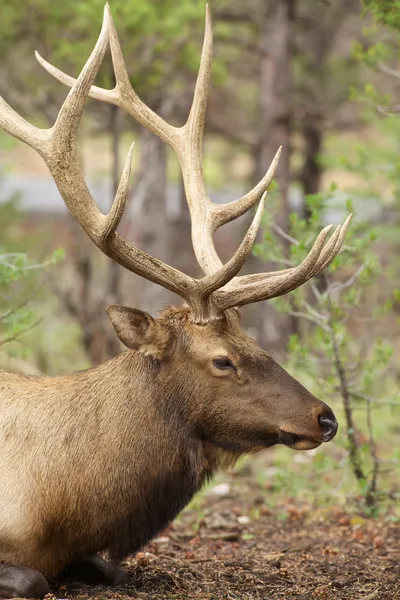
(372,400)
(350,281)
(296,313)
(285,235)
(388,70)
(12,310)
(354,455)
(16,336)
(323,318)
(373,453)
(316,292)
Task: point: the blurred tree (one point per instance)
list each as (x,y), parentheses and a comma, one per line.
(19,285)
(377,164)
(300,55)
(385,12)
(299,59)
(324,68)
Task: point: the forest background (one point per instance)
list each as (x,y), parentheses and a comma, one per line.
(321,78)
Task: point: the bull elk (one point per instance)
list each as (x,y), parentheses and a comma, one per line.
(102,460)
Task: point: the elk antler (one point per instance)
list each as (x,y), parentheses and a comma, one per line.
(219,289)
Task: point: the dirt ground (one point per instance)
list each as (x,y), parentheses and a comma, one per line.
(233,547)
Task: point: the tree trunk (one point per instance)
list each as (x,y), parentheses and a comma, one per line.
(275,129)
(275,107)
(159,221)
(311,173)
(147,226)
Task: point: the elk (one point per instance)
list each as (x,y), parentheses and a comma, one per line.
(102,460)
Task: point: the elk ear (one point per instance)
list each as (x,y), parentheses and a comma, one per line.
(138,330)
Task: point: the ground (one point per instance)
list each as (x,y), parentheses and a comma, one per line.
(231,545)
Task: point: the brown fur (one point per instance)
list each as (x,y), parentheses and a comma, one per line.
(105,458)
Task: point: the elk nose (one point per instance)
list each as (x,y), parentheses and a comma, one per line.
(328,425)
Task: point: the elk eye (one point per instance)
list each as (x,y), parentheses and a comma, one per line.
(223,363)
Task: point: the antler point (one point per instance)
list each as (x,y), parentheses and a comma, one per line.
(208,16)
(107,13)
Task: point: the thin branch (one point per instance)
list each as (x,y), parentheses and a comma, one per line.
(354,451)
(370,400)
(315,291)
(388,70)
(370,497)
(16,336)
(350,281)
(285,235)
(296,313)
(323,318)
(22,304)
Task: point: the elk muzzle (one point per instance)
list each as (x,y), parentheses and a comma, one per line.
(326,428)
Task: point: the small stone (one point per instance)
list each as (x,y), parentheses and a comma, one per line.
(301,459)
(161,540)
(243,520)
(379,541)
(222,489)
(271,471)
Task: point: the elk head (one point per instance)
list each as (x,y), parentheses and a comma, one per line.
(224,385)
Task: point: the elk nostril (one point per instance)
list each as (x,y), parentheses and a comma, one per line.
(328,425)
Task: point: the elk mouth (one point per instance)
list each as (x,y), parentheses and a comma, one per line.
(298,442)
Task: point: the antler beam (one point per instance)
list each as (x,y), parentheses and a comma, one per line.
(186,141)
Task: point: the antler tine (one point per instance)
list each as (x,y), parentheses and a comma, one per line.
(95,92)
(190,157)
(12,123)
(194,127)
(308,263)
(323,260)
(123,94)
(225,213)
(247,289)
(42,140)
(218,279)
(118,206)
(70,114)
(327,257)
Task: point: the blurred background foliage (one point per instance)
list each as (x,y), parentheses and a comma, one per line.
(320,77)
